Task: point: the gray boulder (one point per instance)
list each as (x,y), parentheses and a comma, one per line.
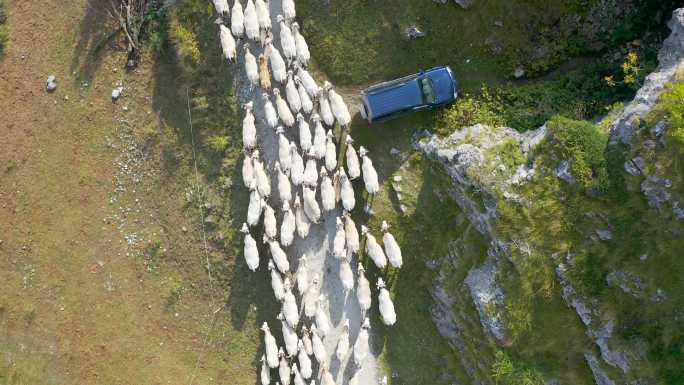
(635,166)
(677,210)
(659,128)
(614,358)
(116,93)
(487,296)
(51,83)
(412,33)
(604,234)
(600,376)
(563,172)
(465,3)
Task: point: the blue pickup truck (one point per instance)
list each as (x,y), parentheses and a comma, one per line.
(425,90)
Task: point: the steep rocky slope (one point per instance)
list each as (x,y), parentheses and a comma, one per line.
(558,229)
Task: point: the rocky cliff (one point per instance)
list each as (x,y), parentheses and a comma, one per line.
(484,180)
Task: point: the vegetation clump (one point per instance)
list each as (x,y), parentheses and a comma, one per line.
(580,94)
(4,28)
(583,145)
(506,371)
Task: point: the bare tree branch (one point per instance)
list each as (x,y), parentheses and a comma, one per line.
(131,16)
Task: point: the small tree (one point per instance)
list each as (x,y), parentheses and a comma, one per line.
(631,72)
(132,16)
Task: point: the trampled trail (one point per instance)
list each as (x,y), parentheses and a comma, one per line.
(318,244)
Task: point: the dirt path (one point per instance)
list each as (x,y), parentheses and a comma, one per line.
(317,245)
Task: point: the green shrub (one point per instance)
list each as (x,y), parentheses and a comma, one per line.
(218,143)
(157,30)
(485,108)
(517,318)
(583,144)
(186,43)
(672,106)
(580,94)
(505,371)
(4,37)
(615,160)
(510,154)
(587,273)
(150,133)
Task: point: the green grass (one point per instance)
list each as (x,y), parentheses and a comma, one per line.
(468,40)
(413,348)
(4,28)
(432,227)
(192,55)
(21,365)
(536,35)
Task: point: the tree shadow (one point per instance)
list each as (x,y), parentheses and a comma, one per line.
(206,85)
(424,235)
(96,31)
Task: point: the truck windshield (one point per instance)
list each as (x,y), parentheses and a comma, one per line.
(428,91)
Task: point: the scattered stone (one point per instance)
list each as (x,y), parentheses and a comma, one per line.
(628,282)
(412,33)
(650,144)
(116,93)
(659,295)
(397,178)
(512,197)
(184,229)
(395,152)
(125,108)
(51,83)
(658,130)
(563,172)
(519,72)
(66,98)
(465,4)
(643,257)
(432,263)
(522,174)
(635,166)
(655,190)
(498,23)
